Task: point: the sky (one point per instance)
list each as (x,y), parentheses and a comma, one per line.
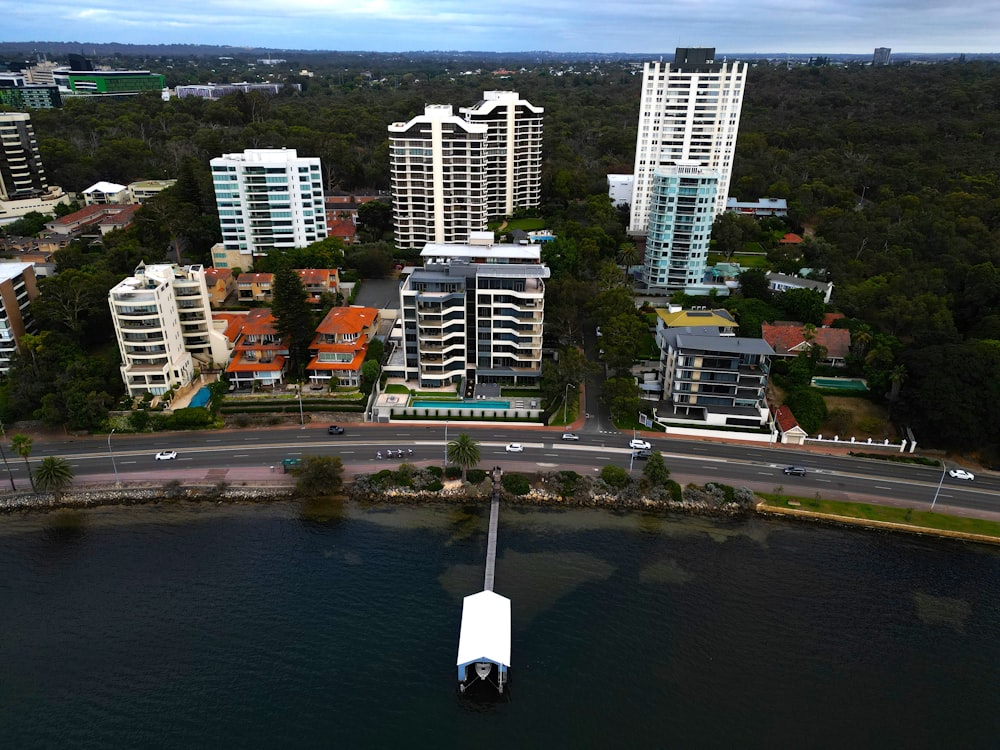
(636,26)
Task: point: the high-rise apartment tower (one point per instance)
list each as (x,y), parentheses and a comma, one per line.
(689,111)
(269,198)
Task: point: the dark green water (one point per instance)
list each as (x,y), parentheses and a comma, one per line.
(261,627)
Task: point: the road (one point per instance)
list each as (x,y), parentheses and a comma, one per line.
(234,455)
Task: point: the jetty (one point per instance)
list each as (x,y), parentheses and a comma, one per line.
(484,639)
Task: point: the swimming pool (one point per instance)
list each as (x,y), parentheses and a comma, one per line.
(841,384)
(482,404)
(201,398)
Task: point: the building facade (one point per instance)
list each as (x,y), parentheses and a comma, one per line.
(267,199)
(163,322)
(512,162)
(681,212)
(689,111)
(23,185)
(341,345)
(474,312)
(714,379)
(17,290)
(436,170)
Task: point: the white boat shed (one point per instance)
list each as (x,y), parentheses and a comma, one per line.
(484,640)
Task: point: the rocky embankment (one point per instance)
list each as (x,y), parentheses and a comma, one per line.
(93,497)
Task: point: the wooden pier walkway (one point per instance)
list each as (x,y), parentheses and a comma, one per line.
(491,544)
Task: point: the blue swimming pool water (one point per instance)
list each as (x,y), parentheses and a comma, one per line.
(201,397)
(483,404)
(843,384)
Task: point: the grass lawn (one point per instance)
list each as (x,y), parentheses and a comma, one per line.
(890,514)
(525,225)
(396,388)
(535,393)
(745,261)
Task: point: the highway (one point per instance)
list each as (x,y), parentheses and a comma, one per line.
(245,454)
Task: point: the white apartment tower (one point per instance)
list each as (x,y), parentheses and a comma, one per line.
(681,212)
(268,198)
(474,311)
(163,321)
(451,173)
(513,157)
(18,289)
(689,111)
(436,168)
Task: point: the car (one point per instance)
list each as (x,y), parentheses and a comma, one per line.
(166,455)
(334,430)
(795,471)
(961,474)
(642,455)
(639,445)
(514,448)
(570,436)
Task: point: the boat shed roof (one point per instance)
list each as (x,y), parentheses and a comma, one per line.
(485,634)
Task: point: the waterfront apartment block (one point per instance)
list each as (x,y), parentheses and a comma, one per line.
(163,323)
(512,161)
(474,313)
(681,213)
(259,354)
(267,199)
(23,186)
(689,111)
(713,379)
(17,290)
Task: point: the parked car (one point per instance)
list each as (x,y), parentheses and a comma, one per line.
(961,474)
(334,430)
(642,455)
(514,448)
(570,436)
(795,471)
(166,455)
(639,445)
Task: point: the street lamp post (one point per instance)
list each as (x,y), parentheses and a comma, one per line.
(446,444)
(302,416)
(566,398)
(111,453)
(4,454)
(944,468)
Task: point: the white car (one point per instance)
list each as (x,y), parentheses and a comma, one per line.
(166,455)
(514,448)
(570,436)
(961,474)
(639,445)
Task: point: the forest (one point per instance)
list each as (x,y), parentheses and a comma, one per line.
(892,173)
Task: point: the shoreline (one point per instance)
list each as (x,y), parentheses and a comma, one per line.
(96,497)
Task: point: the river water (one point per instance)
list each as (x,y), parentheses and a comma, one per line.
(336,626)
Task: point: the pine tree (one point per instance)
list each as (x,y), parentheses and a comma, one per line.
(293,320)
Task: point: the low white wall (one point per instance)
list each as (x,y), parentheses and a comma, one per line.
(754,437)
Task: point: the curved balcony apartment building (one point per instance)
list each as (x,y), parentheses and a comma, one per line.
(451,173)
(163,322)
(474,312)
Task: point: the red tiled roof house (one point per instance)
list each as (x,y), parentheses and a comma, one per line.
(789,340)
(259,355)
(340,346)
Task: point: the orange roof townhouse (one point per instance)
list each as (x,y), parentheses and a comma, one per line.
(220,283)
(255,287)
(319,281)
(259,355)
(341,343)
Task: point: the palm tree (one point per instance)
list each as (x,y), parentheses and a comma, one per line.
(54,475)
(463,452)
(21,445)
(896,379)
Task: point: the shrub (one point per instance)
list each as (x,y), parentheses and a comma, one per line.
(516,484)
(615,477)
(475,476)
(808,407)
(871,425)
(453,472)
(434,486)
(435,471)
(676,493)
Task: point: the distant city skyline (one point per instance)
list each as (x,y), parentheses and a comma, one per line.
(631,26)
